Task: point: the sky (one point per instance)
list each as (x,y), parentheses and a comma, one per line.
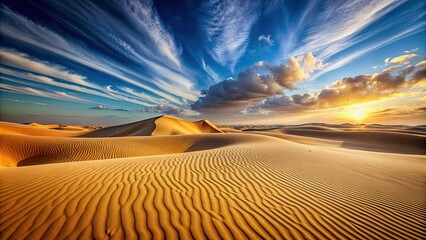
(230,61)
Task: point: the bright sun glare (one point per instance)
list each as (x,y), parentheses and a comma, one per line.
(357,114)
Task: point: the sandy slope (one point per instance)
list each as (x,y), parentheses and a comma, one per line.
(206,186)
(362,139)
(163,125)
(65,127)
(39,130)
(34,150)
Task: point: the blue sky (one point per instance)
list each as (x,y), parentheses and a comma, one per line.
(110,62)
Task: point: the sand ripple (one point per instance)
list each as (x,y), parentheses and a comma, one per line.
(268,189)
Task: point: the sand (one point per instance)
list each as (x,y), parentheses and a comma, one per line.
(204,185)
(39,130)
(164,125)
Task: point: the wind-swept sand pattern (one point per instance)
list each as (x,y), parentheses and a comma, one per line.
(32,150)
(241,191)
(238,185)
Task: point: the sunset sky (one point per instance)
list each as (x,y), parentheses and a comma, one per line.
(233,62)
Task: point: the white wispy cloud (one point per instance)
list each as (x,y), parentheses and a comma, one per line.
(142,96)
(362,51)
(339,22)
(144,15)
(213,76)
(387,60)
(23,101)
(122,96)
(23,61)
(412,50)
(227,25)
(266,38)
(43,80)
(110,32)
(41,93)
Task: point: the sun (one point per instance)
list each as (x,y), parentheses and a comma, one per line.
(357,114)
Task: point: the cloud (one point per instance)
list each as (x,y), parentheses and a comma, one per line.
(401,112)
(311,63)
(334,27)
(132,56)
(125,97)
(43,80)
(350,28)
(421,64)
(419,77)
(149,100)
(41,93)
(144,15)
(103,107)
(227,25)
(251,86)
(22,61)
(403,58)
(266,39)
(212,75)
(408,70)
(347,91)
(387,60)
(23,101)
(170,110)
(412,50)
(335,64)
(390,69)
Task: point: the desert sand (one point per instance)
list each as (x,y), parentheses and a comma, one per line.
(169,178)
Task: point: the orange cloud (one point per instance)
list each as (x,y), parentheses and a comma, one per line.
(403,58)
(348,91)
(421,64)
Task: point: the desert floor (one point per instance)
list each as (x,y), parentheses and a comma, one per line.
(170,178)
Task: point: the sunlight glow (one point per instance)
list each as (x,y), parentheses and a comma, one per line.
(357,114)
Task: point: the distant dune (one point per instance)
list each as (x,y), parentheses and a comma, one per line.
(364,139)
(39,130)
(169,178)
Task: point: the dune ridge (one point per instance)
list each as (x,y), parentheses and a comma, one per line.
(163,125)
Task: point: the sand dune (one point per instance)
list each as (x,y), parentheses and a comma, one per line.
(65,127)
(384,141)
(33,150)
(244,191)
(163,125)
(237,185)
(40,130)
